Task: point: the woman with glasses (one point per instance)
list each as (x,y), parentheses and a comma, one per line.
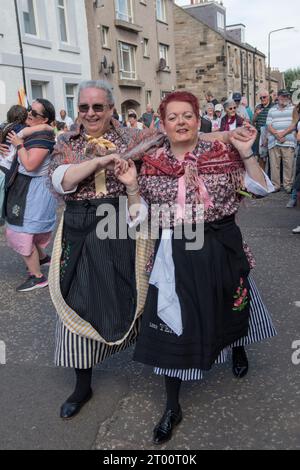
(133,122)
(231,120)
(201,304)
(93,279)
(30,207)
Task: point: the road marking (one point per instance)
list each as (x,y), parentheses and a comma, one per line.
(297,303)
(2,353)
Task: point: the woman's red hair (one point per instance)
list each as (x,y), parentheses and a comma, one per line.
(184,96)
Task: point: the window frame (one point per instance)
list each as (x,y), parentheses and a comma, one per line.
(35,18)
(129,17)
(161,9)
(63,8)
(132,60)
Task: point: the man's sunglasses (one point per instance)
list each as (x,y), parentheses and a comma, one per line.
(263,97)
(232,109)
(97,108)
(34,113)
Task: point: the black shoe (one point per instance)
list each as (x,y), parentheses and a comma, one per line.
(69,410)
(33,283)
(239,362)
(163,431)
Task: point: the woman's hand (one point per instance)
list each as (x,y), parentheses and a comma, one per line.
(244,146)
(13,139)
(108,162)
(243,134)
(4,150)
(126,173)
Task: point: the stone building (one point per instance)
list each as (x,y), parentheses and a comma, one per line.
(132,46)
(211,56)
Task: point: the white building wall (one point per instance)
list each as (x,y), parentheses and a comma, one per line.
(47,59)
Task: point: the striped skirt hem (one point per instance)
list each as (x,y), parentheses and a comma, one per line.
(260,328)
(80,352)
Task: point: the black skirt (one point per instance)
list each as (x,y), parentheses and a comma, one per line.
(98,276)
(208,282)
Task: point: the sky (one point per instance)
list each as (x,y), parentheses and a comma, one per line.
(262,16)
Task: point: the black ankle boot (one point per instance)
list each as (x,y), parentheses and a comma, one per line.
(239,362)
(163,430)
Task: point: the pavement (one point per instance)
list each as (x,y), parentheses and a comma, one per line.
(261,411)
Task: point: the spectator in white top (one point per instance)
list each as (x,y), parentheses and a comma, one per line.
(133,121)
(282,141)
(66,119)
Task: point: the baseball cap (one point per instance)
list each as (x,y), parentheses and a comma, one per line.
(219,107)
(237,96)
(283,92)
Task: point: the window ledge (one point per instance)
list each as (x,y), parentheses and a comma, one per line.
(69,48)
(35,41)
(128,26)
(131,83)
(165,70)
(162,21)
(107,48)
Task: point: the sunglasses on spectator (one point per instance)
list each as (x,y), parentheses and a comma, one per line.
(232,109)
(263,97)
(34,113)
(97,108)
(132,116)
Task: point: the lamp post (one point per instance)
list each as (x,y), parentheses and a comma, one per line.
(21,46)
(269,50)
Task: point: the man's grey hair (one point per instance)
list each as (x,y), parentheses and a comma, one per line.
(101,85)
(229,103)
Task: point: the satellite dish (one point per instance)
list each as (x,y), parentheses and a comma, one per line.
(104,62)
(103,65)
(162,64)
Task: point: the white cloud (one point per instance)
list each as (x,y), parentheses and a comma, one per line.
(263,16)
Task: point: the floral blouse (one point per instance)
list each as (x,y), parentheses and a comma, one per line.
(74,148)
(222,177)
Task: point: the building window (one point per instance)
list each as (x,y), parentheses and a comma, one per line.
(29,17)
(124,10)
(62,20)
(104,36)
(148,97)
(146,47)
(161,10)
(38,90)
(163,94)
(127,61)
(164,53)
(70,99)
(220,20)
